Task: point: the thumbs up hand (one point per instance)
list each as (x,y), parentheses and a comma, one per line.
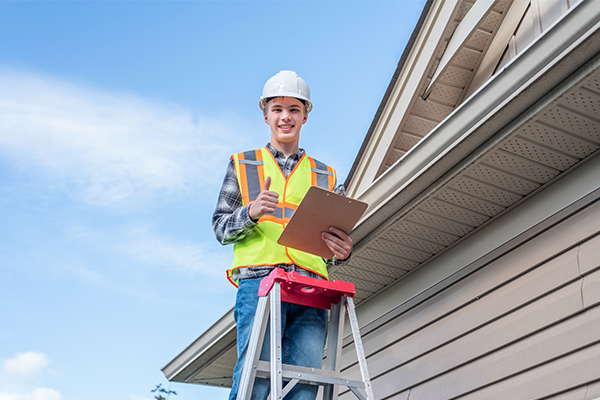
(265,203)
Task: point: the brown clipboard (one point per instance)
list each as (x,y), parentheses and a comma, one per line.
(319,210)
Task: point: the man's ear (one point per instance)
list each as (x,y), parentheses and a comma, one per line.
(266,119)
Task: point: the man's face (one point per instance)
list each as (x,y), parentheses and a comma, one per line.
(285,116)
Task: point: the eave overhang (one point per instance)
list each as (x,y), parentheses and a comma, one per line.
(485,116)
(490,152)
(213,349)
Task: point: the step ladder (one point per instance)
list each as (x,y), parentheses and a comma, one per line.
(294,288)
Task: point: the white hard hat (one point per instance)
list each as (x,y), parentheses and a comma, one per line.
(286,84)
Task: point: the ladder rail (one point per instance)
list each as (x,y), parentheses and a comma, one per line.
(335,335)
(360,352)
(257,336)
(276,384)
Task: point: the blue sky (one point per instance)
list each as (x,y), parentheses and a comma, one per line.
(116,123)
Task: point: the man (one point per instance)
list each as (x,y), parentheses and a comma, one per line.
(260,190)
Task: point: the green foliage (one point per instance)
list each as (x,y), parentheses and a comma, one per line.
(160,390)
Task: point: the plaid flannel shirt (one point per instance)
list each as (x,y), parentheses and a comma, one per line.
(231,221)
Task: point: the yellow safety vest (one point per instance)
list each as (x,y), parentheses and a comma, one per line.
(260,246)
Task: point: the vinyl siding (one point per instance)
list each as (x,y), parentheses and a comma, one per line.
(525,326)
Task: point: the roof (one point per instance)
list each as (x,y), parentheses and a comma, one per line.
(528,126)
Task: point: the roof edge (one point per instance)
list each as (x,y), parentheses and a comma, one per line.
(390,88)
(199,346)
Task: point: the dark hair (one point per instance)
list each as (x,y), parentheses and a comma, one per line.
(267,100)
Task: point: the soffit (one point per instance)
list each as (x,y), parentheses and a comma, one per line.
(467,29)
(219,372)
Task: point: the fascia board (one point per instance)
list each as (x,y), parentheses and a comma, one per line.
(461,35)
(493,106)
(175,370)
(407,85)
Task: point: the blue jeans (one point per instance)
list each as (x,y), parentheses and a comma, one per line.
(304,330)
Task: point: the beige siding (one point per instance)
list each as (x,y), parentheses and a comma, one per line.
(588,392)
(525,326)
(539,17)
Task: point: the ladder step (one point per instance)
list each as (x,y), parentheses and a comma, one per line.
(307,375)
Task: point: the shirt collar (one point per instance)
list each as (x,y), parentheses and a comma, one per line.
(277,153)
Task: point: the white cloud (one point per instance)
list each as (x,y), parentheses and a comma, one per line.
(145,263)
(37,394)
(141,245)
(26,364)
(46,394)
(185,256)
(109,146)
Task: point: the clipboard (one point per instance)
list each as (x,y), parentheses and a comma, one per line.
(319,210)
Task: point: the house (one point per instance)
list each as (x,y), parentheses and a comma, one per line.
(477,263)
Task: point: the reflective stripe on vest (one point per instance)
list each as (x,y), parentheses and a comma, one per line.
(251,168)
(322,175)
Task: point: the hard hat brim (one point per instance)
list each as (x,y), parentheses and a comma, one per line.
(307,103)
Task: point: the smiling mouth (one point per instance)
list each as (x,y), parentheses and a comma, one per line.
(286,127)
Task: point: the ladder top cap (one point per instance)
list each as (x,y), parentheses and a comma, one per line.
(297,285)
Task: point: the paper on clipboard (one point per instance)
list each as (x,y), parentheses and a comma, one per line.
(319,210)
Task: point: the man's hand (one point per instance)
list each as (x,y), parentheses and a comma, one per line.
(265,203)
(338,242)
